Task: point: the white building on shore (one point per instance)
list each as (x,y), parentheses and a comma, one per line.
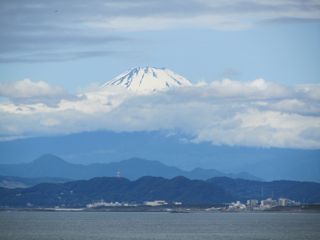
(237,206)
(268,203)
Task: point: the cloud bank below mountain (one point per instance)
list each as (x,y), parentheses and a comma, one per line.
(227,112)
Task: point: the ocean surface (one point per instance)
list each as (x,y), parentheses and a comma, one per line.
(140,226)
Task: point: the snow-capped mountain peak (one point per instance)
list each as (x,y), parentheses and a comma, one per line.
(148,79)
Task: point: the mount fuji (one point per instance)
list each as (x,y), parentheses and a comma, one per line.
(148,80)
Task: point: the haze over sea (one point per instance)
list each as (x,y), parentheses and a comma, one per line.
(111,225)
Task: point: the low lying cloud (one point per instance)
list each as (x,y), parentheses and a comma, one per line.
(27,88)
(227,112)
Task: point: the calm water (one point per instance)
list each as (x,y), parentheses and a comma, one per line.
(140,226)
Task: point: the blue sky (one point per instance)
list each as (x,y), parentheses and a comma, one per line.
(53,52)
(274,40)
(283,53)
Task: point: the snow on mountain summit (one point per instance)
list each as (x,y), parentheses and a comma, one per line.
(148,79)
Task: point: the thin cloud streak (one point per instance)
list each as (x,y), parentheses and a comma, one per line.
(55,56)
(31,26)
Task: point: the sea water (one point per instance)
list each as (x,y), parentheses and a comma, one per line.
(140,226)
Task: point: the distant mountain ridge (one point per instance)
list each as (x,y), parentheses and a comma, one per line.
(55,167)
(105,146)
(111,189)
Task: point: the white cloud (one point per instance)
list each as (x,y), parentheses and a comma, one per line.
(310,91)
(254,113)
(27,88)
(220,15)
(258,88)
(153,23)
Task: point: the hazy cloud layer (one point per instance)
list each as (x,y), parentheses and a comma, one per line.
(38,30)
(255,113)
(29,89)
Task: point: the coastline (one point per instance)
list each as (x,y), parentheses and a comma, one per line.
(189,209)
